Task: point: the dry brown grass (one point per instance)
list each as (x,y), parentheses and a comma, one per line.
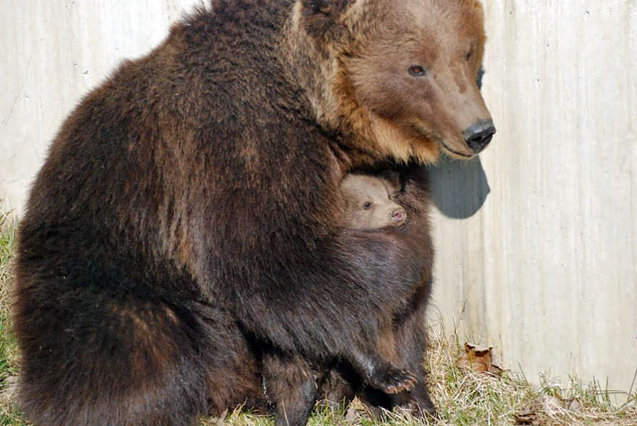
(467,398)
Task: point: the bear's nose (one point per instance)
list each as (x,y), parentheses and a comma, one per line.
(479,134)
(398,216)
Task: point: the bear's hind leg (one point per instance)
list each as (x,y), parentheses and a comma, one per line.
(93,358)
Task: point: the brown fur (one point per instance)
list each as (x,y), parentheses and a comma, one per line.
(184,228)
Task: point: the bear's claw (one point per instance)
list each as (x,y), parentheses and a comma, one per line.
(393,380)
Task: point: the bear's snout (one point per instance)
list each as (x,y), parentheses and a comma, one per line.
(479,134)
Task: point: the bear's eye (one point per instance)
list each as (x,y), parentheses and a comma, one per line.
(469,55)
(367,205)
(417,71)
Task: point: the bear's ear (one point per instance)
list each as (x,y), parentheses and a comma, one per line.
(321,17)
(325,7)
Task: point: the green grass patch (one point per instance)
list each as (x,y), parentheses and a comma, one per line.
(9,413)
(462,397)
(8,350)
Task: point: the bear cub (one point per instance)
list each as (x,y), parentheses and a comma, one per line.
(369,201)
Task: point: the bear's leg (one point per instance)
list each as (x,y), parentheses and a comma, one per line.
(96,357)
(410,339)
(404,343)
(289,384)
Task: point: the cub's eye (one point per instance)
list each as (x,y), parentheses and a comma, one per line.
(469,55)
(367,205)
(417,71)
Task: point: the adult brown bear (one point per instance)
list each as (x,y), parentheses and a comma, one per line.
(188,210)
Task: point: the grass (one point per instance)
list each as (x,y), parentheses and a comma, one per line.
(463,397)
(9,413)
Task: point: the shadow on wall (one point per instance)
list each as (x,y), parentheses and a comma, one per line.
(458,188)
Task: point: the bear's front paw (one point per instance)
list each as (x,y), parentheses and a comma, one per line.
(392,380)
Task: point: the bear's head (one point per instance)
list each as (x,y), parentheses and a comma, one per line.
(399,78)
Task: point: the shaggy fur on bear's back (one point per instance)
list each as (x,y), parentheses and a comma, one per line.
(187,213)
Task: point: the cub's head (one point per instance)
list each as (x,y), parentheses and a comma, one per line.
(369,201)
(398,77)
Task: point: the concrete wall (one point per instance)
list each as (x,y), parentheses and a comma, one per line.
(546,271)
(536,241)
(52,53)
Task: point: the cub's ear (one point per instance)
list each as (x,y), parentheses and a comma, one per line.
(393,182)
(325,7)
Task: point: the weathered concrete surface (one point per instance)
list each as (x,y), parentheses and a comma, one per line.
(52,53)
(546,270)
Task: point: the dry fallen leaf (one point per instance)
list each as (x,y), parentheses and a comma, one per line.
(478,360)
